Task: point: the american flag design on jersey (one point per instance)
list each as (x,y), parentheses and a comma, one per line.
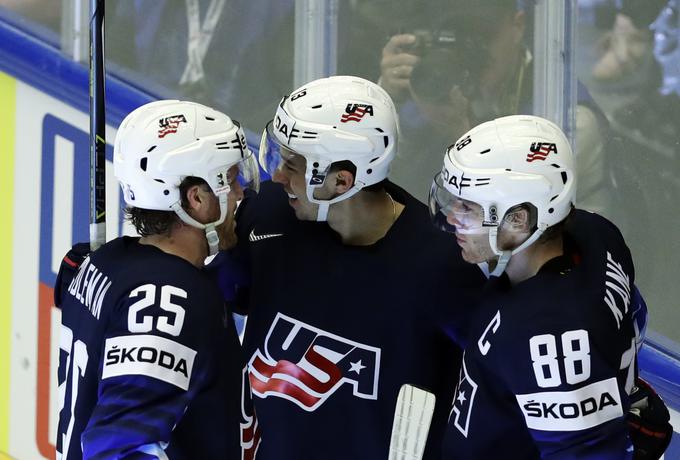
(306,365)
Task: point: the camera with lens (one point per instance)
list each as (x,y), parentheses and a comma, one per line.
(448,58)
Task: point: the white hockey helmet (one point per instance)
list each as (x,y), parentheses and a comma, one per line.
(330,120)
(161,143)
(504,163)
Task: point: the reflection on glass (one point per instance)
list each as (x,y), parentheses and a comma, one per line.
(630,61)
(448,64)
(236,55)
(45,13)
(666,47)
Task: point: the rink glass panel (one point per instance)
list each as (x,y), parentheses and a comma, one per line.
(632,178)
(630,72)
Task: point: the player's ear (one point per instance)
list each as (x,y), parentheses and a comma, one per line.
(518,220)
(196,198)
(344,180)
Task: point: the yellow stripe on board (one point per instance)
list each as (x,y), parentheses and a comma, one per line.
(7,130)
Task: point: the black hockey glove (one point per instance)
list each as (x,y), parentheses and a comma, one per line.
(648,422)
(69,267)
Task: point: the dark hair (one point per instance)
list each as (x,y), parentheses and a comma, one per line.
(149,222)
(346,165)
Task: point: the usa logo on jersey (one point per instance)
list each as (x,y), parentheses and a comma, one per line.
(306,365)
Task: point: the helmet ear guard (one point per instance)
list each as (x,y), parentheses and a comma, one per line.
(330,120)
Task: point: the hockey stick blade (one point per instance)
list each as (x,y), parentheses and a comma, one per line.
(412,418)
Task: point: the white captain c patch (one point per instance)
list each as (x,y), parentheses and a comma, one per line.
(575,410)
(148,355)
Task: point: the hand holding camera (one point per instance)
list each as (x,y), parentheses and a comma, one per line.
(431,63)
(397,64)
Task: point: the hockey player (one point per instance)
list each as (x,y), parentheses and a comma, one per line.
(147,353)
(551,353)
(348,281)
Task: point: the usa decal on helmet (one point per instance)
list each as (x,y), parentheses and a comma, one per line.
(540,151)
(355,112)
(169,125)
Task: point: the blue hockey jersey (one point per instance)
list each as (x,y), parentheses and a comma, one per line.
(550,361)
(335,330)
(149,365)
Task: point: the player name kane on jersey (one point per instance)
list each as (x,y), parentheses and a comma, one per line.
(550,360)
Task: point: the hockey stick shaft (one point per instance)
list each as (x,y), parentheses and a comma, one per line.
(97,127)
(412,417)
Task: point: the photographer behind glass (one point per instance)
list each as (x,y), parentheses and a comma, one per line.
(466,58)
(470,64)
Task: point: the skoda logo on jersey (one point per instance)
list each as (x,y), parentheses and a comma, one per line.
(574,410)
(463,401)
(306,365)
(149,355)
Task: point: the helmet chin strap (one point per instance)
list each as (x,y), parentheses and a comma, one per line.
(210,231)
(504,256)
(322,213)
(324,205)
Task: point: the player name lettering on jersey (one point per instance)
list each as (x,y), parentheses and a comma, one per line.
(306,365)
(575,410)
(617,282)
(148,355)
(90,287)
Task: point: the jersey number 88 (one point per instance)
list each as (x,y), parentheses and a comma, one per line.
(576,352)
